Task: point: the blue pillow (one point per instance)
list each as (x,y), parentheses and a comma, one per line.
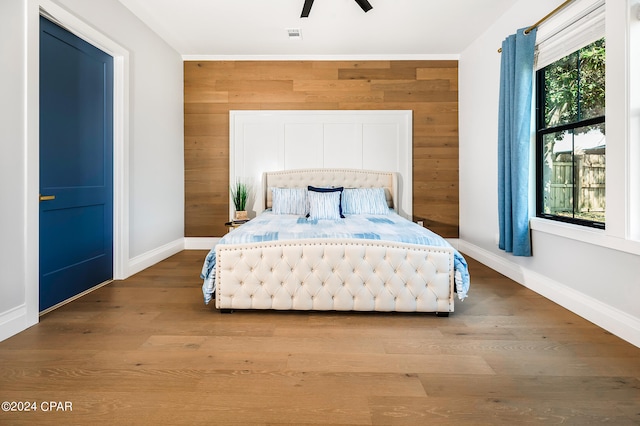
(364,201)
(338,189)
(289,201)
(324,205)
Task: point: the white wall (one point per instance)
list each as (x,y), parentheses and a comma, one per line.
(13,154)
(596,275)
(154,139)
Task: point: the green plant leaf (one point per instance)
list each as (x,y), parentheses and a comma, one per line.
(239,195)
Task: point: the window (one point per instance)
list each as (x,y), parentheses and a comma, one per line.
(570,137)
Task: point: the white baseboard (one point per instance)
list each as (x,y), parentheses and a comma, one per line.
(619,323)
(14,321)
(200,243)
(150,258)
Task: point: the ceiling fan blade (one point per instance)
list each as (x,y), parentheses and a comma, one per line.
(306,9)
(365,5)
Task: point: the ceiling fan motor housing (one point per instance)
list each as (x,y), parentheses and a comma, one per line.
(306,8)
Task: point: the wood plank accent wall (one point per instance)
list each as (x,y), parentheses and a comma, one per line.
(213,88)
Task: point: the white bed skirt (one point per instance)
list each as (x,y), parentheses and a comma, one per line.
(340,275)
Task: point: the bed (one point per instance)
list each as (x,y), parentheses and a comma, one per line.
(304,253)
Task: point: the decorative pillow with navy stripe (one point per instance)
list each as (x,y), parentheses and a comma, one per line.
(324,202)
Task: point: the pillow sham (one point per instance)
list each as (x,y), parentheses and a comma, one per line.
(289,201)
(324,205)
(335,189)
(364,201)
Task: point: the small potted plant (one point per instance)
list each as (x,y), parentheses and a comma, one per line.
(239,193)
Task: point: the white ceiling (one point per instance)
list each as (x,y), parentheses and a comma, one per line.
(246,28)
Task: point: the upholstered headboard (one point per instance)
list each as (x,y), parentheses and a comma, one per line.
(348,178)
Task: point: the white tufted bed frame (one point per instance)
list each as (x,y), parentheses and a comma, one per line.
(334,274)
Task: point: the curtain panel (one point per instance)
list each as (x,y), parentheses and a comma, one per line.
(514,141)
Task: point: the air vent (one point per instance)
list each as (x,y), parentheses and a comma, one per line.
(294,33)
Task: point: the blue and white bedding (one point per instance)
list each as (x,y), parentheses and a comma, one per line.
(390,227)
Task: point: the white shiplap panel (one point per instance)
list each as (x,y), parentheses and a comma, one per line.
(303,146)
(285,140)
(258,146)
(343,145)
(380,146)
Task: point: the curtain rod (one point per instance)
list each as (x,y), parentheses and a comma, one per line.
(544,18)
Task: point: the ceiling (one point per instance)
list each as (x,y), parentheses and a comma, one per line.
(247,28)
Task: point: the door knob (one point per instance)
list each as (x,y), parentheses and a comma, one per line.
(47,197)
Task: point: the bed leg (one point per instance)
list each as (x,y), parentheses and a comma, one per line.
(226,311)
(442,314)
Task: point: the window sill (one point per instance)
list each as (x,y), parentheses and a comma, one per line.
(593,236)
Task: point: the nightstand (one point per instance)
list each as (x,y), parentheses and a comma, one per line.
(233,224)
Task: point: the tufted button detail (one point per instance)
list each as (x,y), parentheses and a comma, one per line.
(377,274)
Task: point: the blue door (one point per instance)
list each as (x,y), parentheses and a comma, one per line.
(76,165)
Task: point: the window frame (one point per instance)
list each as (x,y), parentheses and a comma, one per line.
(541,132)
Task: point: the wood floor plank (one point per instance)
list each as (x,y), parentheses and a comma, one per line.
(310,383)
(101,380)
(192,408)
(567,388)
(568,365)
(476,347)
(389,363)
(148,351)
(310,344)
(493,411)
(201,359)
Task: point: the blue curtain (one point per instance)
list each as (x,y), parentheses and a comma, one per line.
(514,141)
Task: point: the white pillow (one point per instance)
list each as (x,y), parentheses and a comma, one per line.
(289,201)
(324,205)
(364,201)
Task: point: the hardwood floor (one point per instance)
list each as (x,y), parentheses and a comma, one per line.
(148,351)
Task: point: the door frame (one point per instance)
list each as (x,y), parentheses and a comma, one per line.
(121,62)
